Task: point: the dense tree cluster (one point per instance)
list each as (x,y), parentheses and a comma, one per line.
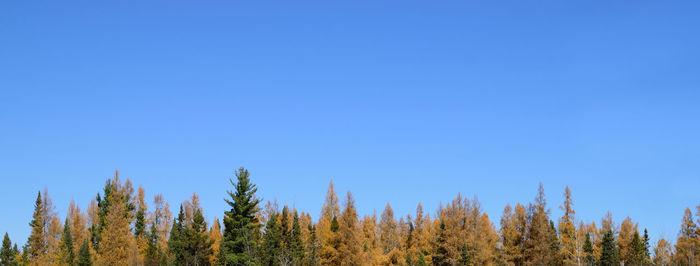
(118,228)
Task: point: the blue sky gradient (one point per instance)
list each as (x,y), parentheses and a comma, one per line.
(397,101)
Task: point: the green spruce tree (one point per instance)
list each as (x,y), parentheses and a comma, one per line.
(588,256)
(272,242)
(440,257)
(647,256)
(153,251)
(638,251)
(67,254)
(177,240)
(608,254)
(84,258)
(295,243)
(241,226)
(140,223)
(198,247)
(312,247)
(36,244)
(102,210)
(465,258)
(7,255)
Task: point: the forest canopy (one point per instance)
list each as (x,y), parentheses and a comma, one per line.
(119,227)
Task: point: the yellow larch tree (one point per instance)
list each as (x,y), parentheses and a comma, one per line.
(521,225)
(567,231)
(421,235)
(162,218)
(624,239)
(328,227)
(141,234)
(457,223)
(117,245)
(538,248)
(371,249)
(511,240)
(662,253)
(485,247)
(688,242)
(350,234)
(78,225)
(389,237)
(580,241)
(215,234)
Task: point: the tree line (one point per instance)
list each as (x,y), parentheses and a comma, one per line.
(118,228)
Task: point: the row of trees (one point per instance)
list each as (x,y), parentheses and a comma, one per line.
(118,228)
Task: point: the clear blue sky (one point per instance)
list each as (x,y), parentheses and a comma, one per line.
(397,101)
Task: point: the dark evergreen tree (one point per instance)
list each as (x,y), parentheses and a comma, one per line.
(421,260)
(36,245)
(67,254)
(465,258)
(7,255)
(177,240)
(272,242)
(295,244)
(334,224)
(285,236)
(241,226)
(647,256)
(637,251)
(440,257)
(84,258)
(608,254)
(140,223)
(102,210)
(553,239)
(153,251)
(312,247)
(588,257)
(198,247)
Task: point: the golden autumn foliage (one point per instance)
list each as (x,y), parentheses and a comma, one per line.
(118,246)
(350,249)
(121,230)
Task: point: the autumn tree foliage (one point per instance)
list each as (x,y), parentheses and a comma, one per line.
(327,228)
(118,228)
(117,245)
(688,242)
(570,253)
(540,243)
(349,233)
(663,253)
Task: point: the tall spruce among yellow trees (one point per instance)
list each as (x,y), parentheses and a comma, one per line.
(36,244)
(117,229)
